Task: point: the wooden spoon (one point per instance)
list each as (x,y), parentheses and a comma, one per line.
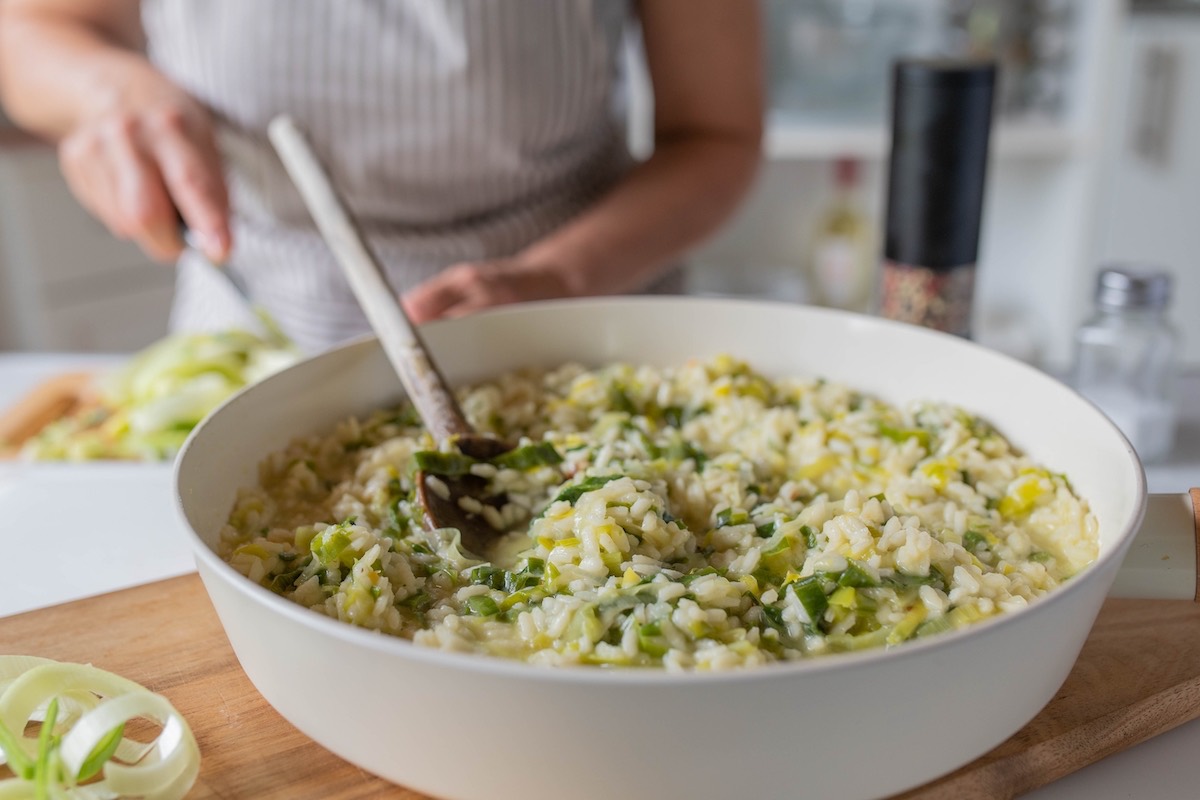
(404,347)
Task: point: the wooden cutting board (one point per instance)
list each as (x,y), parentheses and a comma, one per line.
(1138,676)
(47,402)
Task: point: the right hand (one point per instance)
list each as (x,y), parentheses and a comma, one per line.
(132,165)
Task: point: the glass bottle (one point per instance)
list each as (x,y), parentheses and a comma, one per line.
(1125,357)
(841,261)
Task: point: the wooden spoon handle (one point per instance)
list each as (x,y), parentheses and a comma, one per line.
(404,348)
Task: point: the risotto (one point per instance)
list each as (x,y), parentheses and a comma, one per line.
(701,517)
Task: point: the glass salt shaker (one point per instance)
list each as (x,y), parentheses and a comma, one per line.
(1125,357)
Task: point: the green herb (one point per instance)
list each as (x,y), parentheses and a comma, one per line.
(766,530)
(1041,557)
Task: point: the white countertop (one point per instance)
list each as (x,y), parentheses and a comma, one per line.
(113,548)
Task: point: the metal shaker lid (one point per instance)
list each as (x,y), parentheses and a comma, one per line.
(1122,287)
(941,123)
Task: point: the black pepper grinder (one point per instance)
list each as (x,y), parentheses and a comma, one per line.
(941,122)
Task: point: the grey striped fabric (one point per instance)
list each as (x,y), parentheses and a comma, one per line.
(456,129)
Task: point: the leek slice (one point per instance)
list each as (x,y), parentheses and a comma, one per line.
(83,712)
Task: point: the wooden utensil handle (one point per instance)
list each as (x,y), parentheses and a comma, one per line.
(1163,563)
(48,401)
(403,345)
(1195,493)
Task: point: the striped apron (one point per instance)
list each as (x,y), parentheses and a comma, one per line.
(457,130)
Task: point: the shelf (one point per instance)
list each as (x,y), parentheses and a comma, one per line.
(792,139)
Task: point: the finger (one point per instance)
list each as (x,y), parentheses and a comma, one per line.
(191,168)
(433,298)
(89,176)
(143,204)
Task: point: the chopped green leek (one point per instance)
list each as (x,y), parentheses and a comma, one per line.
(972,540)
(687,579)
(773,616)
(778,558)
(902,580)
(681,450)
(907,626)
(618,398)
(857,575)
(651,641)
(901,435)
(844,597)
(932,627)
(329,545)
(448,464)
(541,454)
(811,595)
(489,576)
(842,642)
(810,536)
(590,484)
(482,606)
(730,516)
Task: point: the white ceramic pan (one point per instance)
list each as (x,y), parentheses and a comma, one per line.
(849,726)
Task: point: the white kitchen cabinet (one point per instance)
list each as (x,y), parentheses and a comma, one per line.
(65,282)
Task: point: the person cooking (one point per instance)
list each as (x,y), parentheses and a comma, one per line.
(481,144)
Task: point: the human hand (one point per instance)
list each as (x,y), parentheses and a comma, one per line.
(462,289)
(136,161)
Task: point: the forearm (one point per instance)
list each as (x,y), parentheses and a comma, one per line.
(56,70)
(662,209)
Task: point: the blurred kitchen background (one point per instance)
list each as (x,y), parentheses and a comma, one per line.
(1095,159)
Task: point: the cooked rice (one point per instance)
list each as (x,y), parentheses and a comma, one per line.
(703,517)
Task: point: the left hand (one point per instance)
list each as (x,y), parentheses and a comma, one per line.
(464,288)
